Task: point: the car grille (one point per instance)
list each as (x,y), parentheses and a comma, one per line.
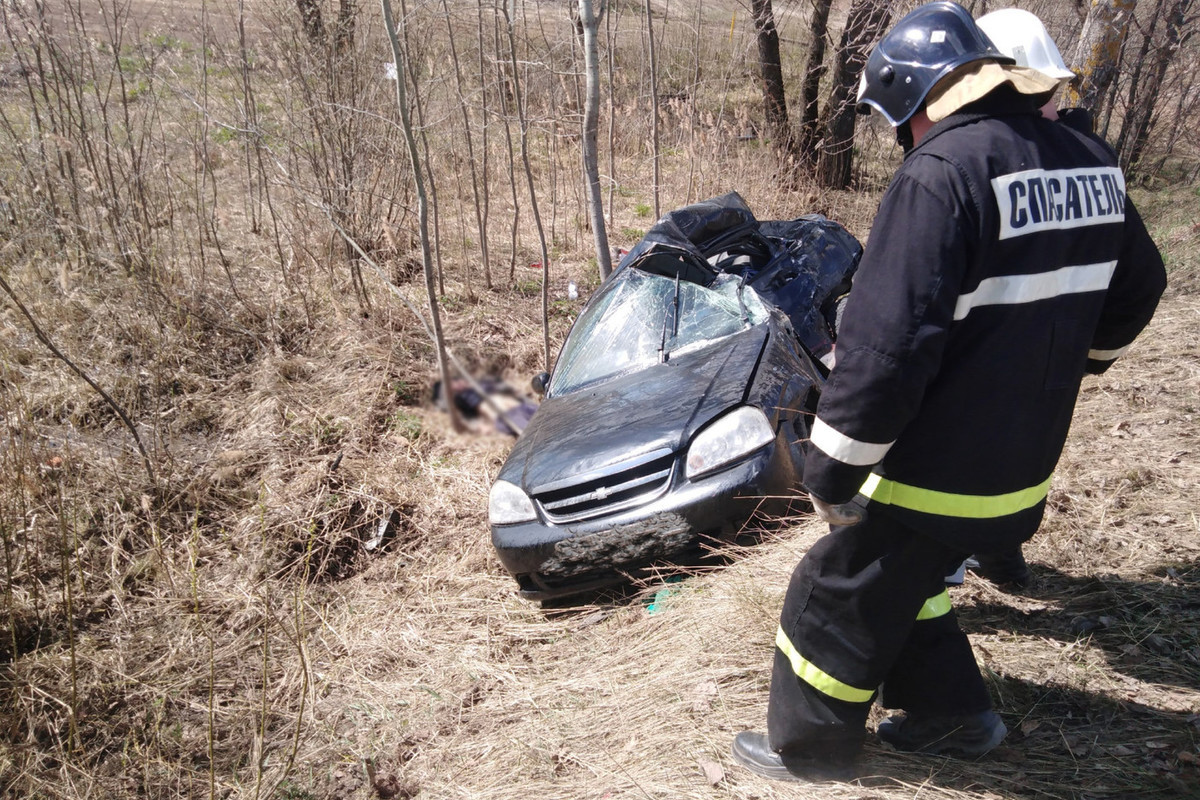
(620,490)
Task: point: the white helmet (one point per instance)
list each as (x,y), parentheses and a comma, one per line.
(1021,35)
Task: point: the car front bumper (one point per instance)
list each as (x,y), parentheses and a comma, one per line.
(552,560)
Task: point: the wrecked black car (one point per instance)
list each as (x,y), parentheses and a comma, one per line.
(679,400)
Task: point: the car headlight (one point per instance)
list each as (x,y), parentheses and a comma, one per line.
(733,436)
(507,504)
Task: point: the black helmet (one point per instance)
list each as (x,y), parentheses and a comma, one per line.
(924,47)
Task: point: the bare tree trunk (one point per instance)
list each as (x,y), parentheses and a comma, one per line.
(310,19)
(343,36)
(591,124)
(818,34)
(422,208)
(1135,98)
(771,72)
(429,168)
(485,191)
(693,121)
(612,112)
(1135,130)
(1098,53)
(1187,105)
(462,103)
(507,93)
(866,23)
(653,104)
(519,102)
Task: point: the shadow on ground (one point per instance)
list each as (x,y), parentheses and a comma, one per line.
(1148,630)
(1139,739)
(1064,743)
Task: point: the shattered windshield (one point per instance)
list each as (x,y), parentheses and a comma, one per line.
(637,324)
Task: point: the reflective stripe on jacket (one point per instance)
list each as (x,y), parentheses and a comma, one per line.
(1004,256)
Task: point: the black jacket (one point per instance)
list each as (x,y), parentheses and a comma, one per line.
(1005,261)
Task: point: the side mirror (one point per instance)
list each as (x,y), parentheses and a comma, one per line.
(540,382)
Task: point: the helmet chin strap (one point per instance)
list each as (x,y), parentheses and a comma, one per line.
(904,136)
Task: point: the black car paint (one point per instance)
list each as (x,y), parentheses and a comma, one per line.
(704,384)
(556,562)
(647,419)
(764,367)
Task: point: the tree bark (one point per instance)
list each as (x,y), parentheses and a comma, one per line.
(867,22)
(343,37)
(466,117)
(771,75)
(610,37)
(310,19)
(423,129)
(505,93)
(818,33)
(1098,53)
(484,190)
(591,126)
(519,102)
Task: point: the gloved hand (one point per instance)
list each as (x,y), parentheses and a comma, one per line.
(840,514)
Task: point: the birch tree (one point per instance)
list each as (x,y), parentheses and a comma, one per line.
(422,205)
(591,124)
(1098,53)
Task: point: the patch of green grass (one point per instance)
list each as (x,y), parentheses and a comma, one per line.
(564,309)
(164,41)
(328,432)
(406,394)
(633,234)
(130,64)
(590,281)
(643,210)
(136,89)
(408,426)
(1170,218)
(530,287)
(290,791)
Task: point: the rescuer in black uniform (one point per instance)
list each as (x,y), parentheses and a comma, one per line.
(1004,262)
(1021,36)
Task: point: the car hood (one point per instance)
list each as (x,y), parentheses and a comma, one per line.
(633,417)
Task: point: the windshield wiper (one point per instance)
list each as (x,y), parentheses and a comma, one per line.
(663,355)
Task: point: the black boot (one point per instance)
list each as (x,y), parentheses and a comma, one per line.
(753,751)
(964,736)
(1006,568)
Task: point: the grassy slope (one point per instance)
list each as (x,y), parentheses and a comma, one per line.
(198,658)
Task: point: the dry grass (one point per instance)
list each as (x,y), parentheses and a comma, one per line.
(304,603)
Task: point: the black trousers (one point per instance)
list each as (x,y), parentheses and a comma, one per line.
(867,614)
